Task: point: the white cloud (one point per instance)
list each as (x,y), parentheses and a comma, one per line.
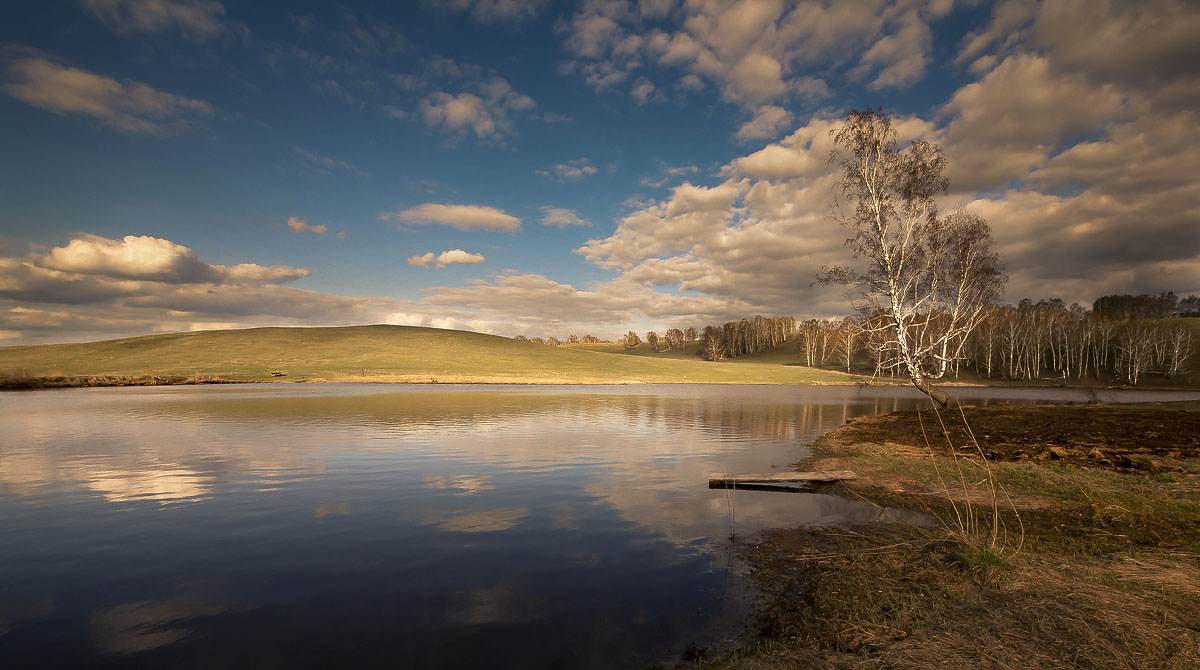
(1012,120)
(450,257)
(561,217)
(1112,212)
(155,259)
(484,113)
(642,90)
(767,123)
(459,112)
(756,52)
(458,256)
(196,19)
(297,225)
(805,153)
(422,260)
(462,217)
(899,59)
(674,226)
(573,170)
(129,106)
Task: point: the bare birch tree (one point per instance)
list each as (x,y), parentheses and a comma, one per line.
(934,278)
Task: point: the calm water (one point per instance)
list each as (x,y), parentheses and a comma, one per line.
(410,526)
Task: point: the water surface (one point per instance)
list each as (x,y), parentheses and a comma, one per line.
(411,526)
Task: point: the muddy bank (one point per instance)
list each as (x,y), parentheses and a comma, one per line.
(1091,558)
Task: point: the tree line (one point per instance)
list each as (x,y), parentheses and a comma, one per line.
(570,339)
(1027,341)
(1147,305)
(747,336)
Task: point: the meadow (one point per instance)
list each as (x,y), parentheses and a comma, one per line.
(394,354)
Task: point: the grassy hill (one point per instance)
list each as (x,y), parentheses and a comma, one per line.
(393,354)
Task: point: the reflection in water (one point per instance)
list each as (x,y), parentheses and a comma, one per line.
(325,509)
(465,484)
(499,603)
(553,526)
(163,484)
(477,521)
(140,626)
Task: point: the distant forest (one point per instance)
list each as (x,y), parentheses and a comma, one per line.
(1121,337)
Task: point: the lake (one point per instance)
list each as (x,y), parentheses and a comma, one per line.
(409,526)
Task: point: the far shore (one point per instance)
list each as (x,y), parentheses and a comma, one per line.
(36,382)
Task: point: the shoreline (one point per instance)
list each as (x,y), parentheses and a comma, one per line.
(1096,558)
(38,382)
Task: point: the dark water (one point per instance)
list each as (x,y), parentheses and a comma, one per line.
(411,526)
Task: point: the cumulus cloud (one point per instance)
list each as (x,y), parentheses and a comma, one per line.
(642,91)
(573,170)
(458,256)
(146,258)
(560,217)
(767,123)
(297,225)
(485,113)
(1017,115)
(127,105)
(462,217)
(672,226)
(445,258)
(756,52)
(1084,196)
(423,260)
(805,153)
(1085,172)
(194,19)
(1146,46)
(134,257)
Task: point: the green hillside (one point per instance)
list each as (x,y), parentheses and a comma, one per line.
(394,354)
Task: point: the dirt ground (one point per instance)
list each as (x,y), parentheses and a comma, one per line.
(1090,558)
(1141,437)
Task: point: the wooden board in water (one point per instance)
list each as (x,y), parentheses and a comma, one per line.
(721,479)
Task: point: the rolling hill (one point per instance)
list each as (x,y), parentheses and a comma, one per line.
(384,353)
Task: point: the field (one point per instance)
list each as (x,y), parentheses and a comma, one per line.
(392,354)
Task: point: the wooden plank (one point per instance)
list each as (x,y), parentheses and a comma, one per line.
(724,479)
(787,487)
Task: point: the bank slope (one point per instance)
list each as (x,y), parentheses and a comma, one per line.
(383,354)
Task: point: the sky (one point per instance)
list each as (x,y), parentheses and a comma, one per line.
(546,168)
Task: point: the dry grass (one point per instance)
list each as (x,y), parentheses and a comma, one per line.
(902,599)
(1109,576)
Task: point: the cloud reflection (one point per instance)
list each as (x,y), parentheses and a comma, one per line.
(144,625)
(476,521)
(464,484)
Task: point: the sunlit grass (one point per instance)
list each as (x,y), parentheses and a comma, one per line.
(400,354)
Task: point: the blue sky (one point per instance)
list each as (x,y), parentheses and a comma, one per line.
(525,166)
